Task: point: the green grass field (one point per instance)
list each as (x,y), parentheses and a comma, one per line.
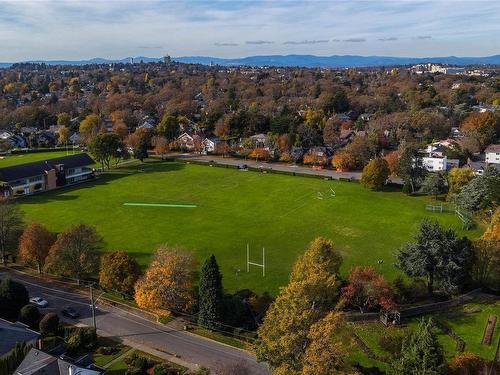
(7,161)
(281,213)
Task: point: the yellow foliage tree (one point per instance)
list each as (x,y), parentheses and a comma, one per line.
(458,178)
(311,293)
(89,127)
(168,281)
(327,351)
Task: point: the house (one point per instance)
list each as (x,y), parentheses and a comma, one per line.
(259,140)
(186,141)
(74,138)
(436,163)
(6,134)
(210,144)
(12,333)
(38,362)
(29,178)
(456,133)
(492,154)
(480,166)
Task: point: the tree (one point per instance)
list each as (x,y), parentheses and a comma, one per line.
(119,271)
(29,315)
(106,146)
(49,324)
(141,150)
(63,135)
(311,293)
(457,179)
(409,168)
(34,245)
(75,252)
(482,127)
(327,352)
(480,193)
(89,127)
(260,153)
(168,127)
(11,226)
(168,281)
(160,146)
(392,161)
(367,290)
(210,295)
(487,254)
(13,296)
(421,353)
(437,254)
(434,184)
(467,363)
(343,161)
(375,174)
(63,119)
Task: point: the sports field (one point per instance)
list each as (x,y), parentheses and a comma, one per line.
(233,208)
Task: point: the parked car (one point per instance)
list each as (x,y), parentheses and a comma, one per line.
(39,301)
(70,312)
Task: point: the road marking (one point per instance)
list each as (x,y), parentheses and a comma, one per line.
(161,205)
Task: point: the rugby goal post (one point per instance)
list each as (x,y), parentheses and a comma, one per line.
(263,265)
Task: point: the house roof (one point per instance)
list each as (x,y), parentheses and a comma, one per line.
(37,362)
(39,167)
(12,333)
(493,148)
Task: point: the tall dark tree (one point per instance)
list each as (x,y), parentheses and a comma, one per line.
(141,150)
(211,295)
(11,226)
(13,296)
(438,255)
(434,184)
(421,353)
(409,168)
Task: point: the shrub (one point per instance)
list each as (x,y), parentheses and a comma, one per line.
(79,339)
(29,315)
(49,324)
(138,364)
(10,361)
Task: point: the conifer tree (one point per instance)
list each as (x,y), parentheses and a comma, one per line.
(211,295)
(421,353)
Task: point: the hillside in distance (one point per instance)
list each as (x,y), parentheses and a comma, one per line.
(307,61)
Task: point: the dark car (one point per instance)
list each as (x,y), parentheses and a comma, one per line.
(70,312)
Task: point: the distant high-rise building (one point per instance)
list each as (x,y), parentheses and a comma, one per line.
(167,59)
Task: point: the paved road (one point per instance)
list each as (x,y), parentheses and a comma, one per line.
(134,330)
(275,165)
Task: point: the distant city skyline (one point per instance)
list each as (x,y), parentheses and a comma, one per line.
(31,30)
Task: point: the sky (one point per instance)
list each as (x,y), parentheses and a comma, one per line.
(81,29)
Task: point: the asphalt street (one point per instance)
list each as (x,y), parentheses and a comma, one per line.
(131,328)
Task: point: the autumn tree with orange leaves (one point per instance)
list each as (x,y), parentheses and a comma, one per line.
(168,281)
(260,153)
(34,245)
(367,290)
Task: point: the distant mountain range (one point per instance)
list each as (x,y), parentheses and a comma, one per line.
(335,61)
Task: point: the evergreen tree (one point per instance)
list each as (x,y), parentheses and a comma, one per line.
(421,353)
(141,151)
(13,296)
(211,295)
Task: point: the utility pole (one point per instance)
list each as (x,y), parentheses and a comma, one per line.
(92,305)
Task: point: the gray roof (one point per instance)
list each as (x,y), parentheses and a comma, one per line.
(38,168)
(12,333)
(37,362)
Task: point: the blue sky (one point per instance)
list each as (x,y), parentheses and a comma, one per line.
(75,29)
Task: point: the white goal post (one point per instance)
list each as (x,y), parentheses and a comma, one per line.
(263,265)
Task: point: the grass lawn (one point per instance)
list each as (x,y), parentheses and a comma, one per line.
(278,212)
(468,321)
(14,159)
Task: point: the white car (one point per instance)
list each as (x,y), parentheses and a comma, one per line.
(39,301)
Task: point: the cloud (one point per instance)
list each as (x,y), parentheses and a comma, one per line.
(227,44)
(306,41)
(390,39)
(149,47)
(424,37)
(355,40)
(259,42)
(336,40)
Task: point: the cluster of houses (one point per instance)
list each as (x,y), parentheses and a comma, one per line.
(39,361)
